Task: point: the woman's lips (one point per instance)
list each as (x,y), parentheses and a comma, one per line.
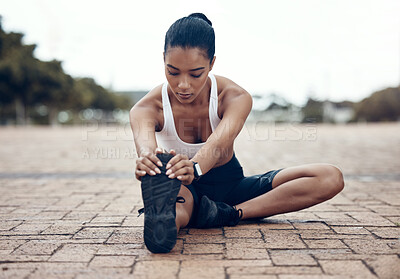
(184,96)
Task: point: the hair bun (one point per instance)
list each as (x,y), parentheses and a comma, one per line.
(201,16)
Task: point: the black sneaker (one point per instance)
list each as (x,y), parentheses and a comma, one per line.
(216,214)
(159,196)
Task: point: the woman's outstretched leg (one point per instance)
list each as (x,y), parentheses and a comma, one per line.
(295,188)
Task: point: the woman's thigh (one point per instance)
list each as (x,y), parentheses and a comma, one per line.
(322,171)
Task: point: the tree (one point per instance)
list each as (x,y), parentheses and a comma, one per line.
(313,111)
(53,88)
(383,105)
(16,65)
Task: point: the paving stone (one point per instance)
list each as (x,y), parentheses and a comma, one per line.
(370,219)
(198,238)
(112,261)
(310,226)
(119,249)
(325,243)
(204,248)
(8,225)
(267,270)
(254,276)
(331,235)
(385,266)
(133,221)
(393,232)
(277,240)
(254,243)
(350,230)
(292,257)
(75,253)
(133,236)
(248,253)
(23,258)
(10,244)
(198,272)
(37,247)
(15,273)
(62,228)
(239,233)
(106,220)
(97,233)
(346,268)
(350,208)
(308,276)
(208,232)
(374,246)
(31,228)
(226,263)
(105,273)
(156,269)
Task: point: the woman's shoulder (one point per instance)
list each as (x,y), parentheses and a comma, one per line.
(150,106)
(226,85)
(230,94)
(151,100)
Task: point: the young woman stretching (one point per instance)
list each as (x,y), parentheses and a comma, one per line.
(196,116)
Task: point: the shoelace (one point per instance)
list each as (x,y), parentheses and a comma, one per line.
(239,211)
(178,200)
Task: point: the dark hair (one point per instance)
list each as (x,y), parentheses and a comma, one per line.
(194,30)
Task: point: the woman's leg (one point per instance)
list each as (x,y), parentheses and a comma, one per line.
(184,210)
(295,188)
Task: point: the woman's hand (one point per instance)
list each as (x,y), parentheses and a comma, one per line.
(180,167)
(147,164)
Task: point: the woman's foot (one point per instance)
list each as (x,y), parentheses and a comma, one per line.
(216,214)
(159,197)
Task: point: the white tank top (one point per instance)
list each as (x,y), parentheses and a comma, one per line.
(168,137)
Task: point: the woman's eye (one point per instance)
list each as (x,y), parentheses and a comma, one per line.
(172,74)
(197,76)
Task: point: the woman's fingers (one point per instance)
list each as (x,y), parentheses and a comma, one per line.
(143,169)
(148,165)
(182,171)
(155,160)
(175,160)
(186,179)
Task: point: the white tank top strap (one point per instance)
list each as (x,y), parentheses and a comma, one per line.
(213,110)
(167,110)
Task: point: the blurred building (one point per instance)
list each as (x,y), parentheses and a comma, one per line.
(274,108)
(341,112)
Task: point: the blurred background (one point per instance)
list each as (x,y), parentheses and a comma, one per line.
(73,62)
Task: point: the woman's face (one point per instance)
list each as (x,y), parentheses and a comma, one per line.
(187,71)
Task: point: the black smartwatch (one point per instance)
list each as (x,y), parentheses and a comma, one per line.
(197,170)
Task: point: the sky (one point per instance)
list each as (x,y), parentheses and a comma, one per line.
(330,49)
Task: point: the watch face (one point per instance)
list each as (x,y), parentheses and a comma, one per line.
(197,170)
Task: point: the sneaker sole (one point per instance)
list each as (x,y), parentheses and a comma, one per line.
(159,197)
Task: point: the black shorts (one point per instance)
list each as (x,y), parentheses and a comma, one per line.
(227,184)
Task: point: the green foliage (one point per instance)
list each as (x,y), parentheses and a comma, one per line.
(26,83)
(383,105)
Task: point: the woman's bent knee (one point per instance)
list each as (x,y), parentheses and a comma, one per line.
(333,182)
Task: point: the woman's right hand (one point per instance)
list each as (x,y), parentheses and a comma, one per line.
(147,164)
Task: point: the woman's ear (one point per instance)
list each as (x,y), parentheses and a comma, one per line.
(212,63)
(163,54)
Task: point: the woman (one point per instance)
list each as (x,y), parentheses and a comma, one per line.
(196,117)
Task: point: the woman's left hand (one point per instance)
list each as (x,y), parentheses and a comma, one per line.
(180,167)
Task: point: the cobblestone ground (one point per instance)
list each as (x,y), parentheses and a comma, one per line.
(68,207)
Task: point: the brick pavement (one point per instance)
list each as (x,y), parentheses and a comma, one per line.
(68,204)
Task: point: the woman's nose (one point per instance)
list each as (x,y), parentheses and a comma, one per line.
(183,84)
